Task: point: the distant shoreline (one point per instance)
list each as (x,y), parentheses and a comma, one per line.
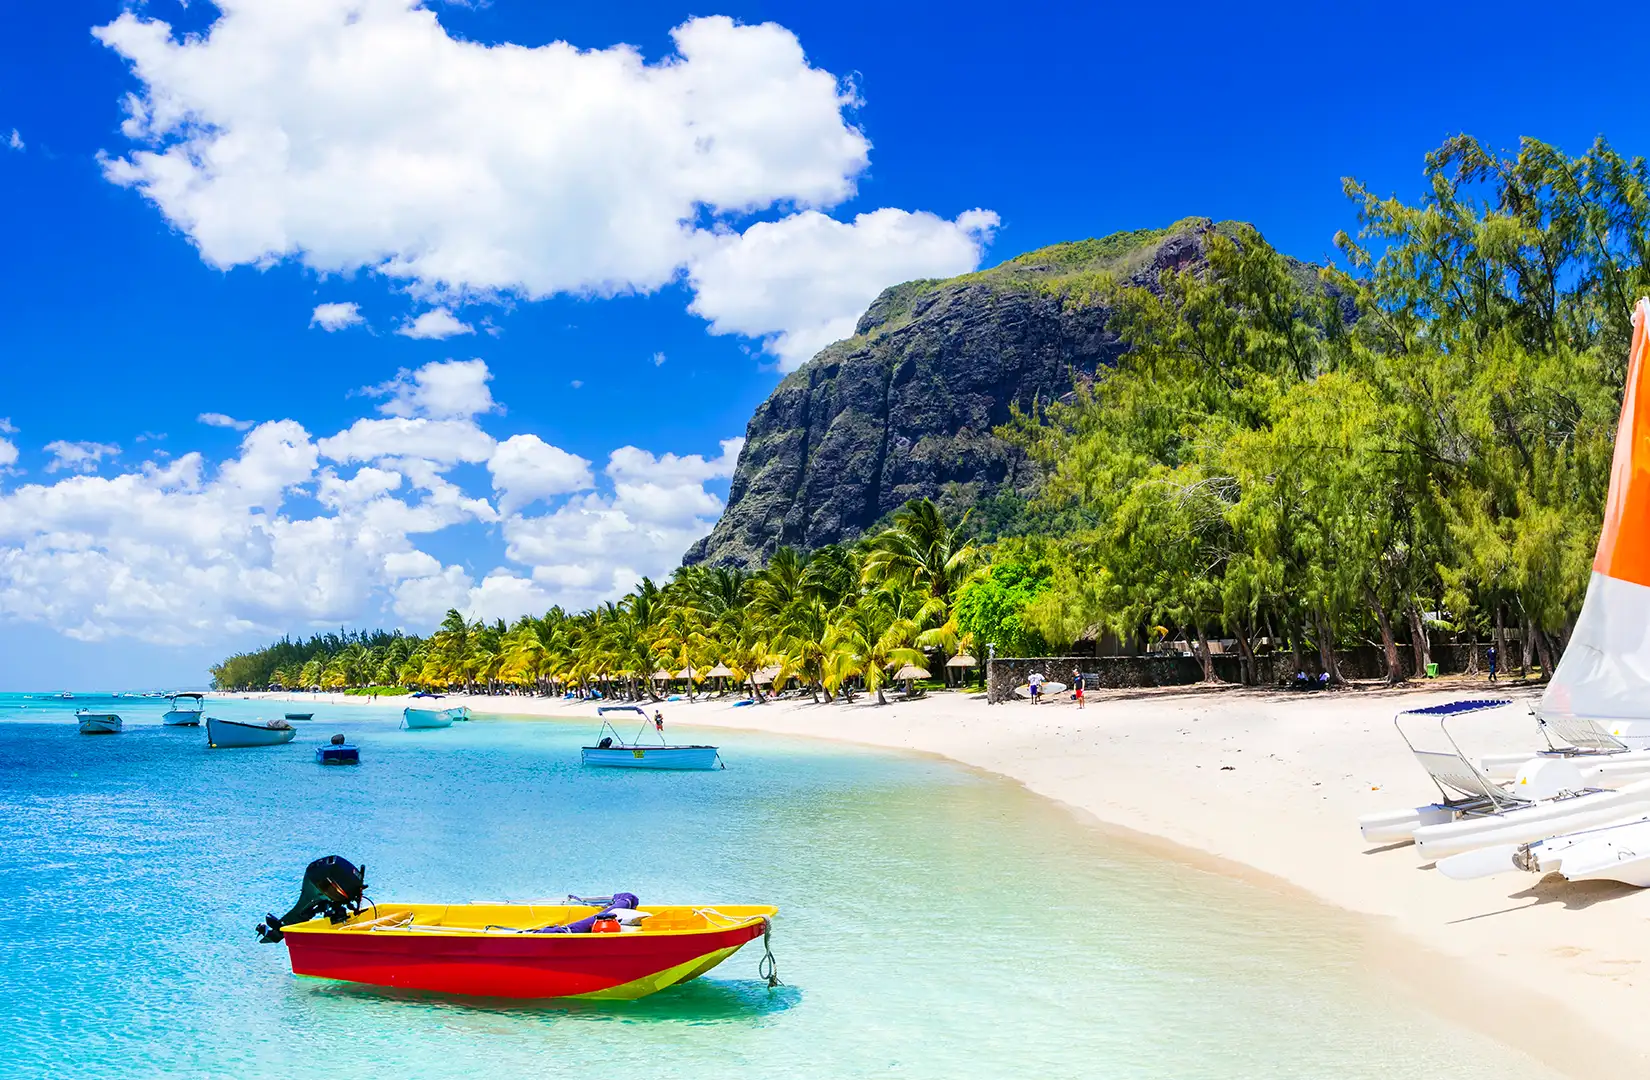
(1268,787)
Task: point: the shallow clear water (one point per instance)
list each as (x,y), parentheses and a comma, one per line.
(934,922)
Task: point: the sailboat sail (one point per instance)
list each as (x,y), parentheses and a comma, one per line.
(1605,672)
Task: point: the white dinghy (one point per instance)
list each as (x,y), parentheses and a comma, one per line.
(98,723)
(1545,798)
(613,751)
(426,719)
(235,735)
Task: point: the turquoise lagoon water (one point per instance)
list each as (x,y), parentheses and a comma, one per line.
(935,922)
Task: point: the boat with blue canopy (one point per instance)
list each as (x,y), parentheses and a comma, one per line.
(612,750)
(185,710)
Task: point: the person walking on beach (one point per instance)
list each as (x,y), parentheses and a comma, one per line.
(1035,681)
(1492,663)
(1077,687)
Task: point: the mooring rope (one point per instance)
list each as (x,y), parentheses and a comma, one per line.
(768,968)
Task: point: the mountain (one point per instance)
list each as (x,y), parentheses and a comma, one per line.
(907,406)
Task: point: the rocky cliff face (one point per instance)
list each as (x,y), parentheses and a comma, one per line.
(907,406)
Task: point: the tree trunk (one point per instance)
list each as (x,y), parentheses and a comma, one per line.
(1295,653)
(1500,638)
(1389,644)
(1526,654)
(1545,649)
(1204,656)
(1248,670)
(1326,649)
(1419,641)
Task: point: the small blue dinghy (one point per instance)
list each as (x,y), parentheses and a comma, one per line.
(338,752)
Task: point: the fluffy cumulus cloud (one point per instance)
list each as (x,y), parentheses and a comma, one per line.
(293,532)
(801,282)
(336,316)
(525,468)
(352,134)
(79,457)
(437,324)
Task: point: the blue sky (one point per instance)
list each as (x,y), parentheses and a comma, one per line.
(975,132)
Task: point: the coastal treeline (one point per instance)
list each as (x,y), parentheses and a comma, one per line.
(1292,459)
(832,620)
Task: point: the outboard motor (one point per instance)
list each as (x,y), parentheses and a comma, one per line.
(332,887)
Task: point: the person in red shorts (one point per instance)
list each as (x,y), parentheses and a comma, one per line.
(1077,687)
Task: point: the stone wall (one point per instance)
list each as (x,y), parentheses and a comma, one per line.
(1003,674)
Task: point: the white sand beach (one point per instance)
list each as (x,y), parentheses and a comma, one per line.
(1269,786)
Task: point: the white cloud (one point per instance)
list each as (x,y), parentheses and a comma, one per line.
(441,389)
(336,316)
(658,359)
(350,134)
(8,453)
(446,442)
(16,140)
(437,324)
(295,532)
(81,457)
(576,383)
(525,468)
(802,282)
(218,419)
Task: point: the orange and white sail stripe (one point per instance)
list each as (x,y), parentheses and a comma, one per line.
(1605,671)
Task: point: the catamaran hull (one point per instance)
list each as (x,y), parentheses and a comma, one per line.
(228,735)
(427,719)
(652,757)
(1530,824)
(604,966)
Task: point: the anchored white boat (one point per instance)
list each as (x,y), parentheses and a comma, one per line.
(98,723)
(232,734)
(1548,796)
(186,710)
(424,719)
(613,751)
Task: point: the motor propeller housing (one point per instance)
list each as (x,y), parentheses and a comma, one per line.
(332,887)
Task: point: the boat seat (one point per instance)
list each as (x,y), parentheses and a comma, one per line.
(1581,733)
(1454,773)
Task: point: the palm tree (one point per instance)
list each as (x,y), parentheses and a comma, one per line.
(870,640)
(921,550)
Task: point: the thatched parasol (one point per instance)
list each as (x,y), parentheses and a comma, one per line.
(720,669)
(962,660)
(685,673)
(911,671)
(662,674)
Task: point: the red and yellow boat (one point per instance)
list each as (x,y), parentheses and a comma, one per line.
(499,950)
(605,948)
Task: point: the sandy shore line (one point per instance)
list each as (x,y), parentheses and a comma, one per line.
(1269,787)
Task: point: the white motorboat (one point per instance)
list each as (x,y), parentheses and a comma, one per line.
(233,734)
(185,711)
(98,723)
(1548,796)
(425,719)
(613,751)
